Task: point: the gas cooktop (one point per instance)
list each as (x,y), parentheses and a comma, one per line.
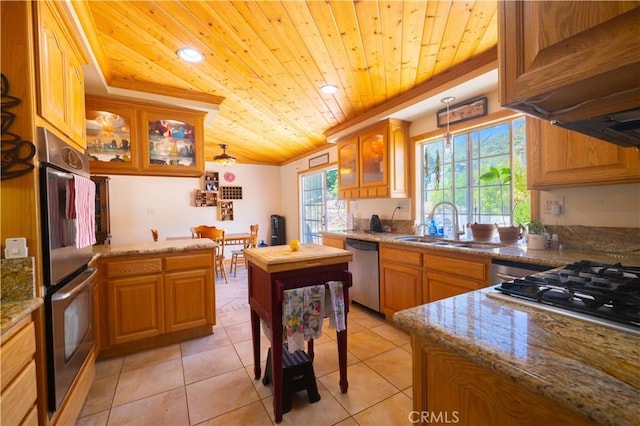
(605,294)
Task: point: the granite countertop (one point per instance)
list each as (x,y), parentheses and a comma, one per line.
(514,252)
(17,292)
(588,368)
(150,247)
(12,312)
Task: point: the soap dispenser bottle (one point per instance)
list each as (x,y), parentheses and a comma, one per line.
(433,229)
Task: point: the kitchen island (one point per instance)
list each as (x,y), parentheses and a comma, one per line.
(487,361)
(272,270)
(153,293)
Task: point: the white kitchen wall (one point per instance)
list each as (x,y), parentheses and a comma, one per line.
(141,203)
(615,206)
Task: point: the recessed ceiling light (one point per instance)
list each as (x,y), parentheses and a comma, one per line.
(329,89)
(190,54)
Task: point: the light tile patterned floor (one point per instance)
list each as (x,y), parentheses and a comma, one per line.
(209,381)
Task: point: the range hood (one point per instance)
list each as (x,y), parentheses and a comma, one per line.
(621,128)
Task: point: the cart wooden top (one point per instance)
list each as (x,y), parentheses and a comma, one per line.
(282,258)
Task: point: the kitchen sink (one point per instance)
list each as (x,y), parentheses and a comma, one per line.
(444,243)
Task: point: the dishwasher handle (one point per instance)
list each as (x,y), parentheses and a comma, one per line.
(361,244)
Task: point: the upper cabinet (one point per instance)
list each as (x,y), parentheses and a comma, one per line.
(373,163)
(142,139)
(569,60)
(562,158)
(60,77)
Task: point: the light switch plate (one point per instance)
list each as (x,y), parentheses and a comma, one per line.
(554,205)
(15,248)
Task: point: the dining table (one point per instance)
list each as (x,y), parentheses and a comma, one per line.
(233,239)
(271,271)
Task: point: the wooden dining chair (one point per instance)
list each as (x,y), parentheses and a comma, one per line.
(217,235)
(197,231)
(237,256)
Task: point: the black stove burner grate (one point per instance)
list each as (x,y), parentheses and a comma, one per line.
(610,292)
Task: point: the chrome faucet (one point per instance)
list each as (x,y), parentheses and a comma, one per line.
(456,219)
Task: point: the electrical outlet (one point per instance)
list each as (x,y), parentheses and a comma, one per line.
(554,206)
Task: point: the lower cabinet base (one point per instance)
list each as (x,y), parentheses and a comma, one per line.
(448,386)
(155,342)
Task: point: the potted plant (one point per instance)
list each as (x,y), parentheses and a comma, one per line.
(537,236)
(508,233)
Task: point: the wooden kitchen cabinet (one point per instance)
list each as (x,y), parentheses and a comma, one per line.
(400,279)
(135,308)
(19,379)
(348,168)
(135,138)
(550,64)
(451,273)
(374,162)
(562,158)
(448,384)
(60,77)
(189,292)
(332,241)
(102,222)
(153,300)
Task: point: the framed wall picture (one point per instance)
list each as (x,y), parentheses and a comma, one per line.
(319,160)
(463,111)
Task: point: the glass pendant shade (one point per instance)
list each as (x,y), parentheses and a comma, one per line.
(448,137)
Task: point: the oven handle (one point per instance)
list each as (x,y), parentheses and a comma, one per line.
(58,173)
(81,281)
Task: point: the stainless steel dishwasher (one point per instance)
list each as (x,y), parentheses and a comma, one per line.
(365,275)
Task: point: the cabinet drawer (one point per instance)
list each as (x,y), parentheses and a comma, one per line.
(192,261)
(404,256)
(128,268)
(469,268)
(16,353)
(19,398)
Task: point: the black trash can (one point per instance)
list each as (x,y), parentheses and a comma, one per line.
(277,230)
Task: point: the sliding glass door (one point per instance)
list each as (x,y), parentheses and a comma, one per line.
(321,210)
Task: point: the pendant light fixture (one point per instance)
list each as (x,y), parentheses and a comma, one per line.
(224,159)
(448,137)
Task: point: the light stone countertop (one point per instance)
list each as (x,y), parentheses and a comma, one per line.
(588,368)
(12,311)
(514,252)
(150,247)
(17,291)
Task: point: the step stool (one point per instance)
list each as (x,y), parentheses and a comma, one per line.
(297,375)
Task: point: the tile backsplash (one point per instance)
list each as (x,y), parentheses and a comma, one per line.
(17,279)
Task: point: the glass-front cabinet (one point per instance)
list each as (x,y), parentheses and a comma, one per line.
(109,138)
(173,143)
(373,162)
(143,139)
(373,157)
(348,164)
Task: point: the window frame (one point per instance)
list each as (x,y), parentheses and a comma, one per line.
(494,118)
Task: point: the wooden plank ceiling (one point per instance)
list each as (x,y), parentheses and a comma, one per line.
(268,60)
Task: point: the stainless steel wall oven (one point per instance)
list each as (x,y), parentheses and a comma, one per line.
(66,253)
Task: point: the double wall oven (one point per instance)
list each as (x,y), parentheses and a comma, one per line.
(68,279)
